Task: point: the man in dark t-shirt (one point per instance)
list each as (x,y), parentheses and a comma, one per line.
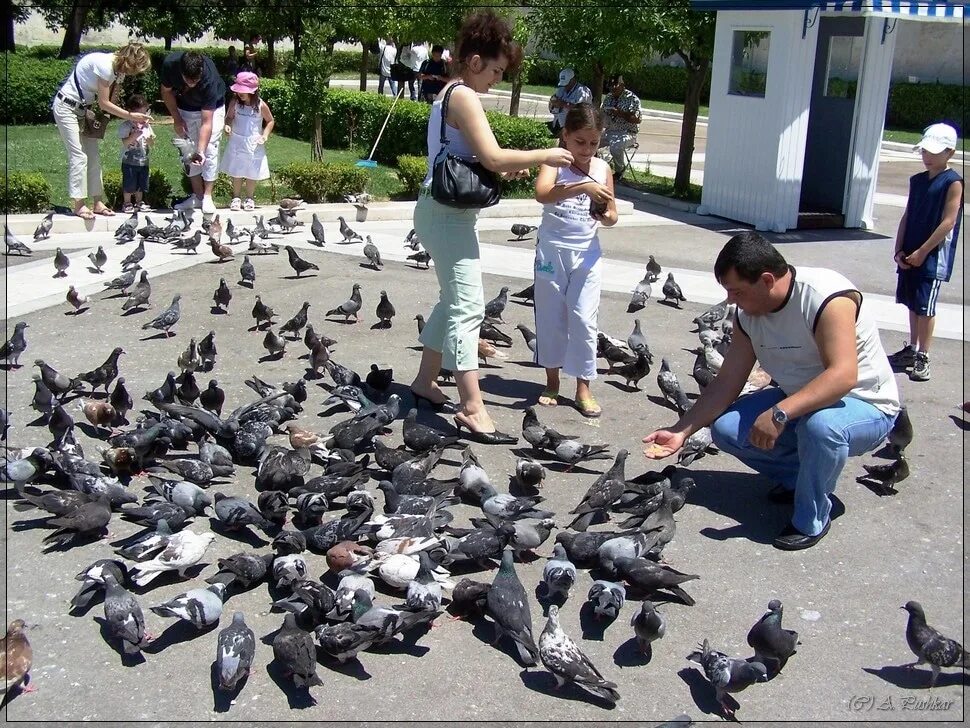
(195,95)
(433,75)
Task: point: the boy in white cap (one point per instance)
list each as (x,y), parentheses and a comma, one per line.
(569,93)
(926,245)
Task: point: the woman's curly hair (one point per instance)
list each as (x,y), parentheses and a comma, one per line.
(132,59)
(487,35)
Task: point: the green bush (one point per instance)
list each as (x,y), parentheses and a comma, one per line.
(914,106)
(25,192)
(322,181)
(221,190)
(281,99)
(412,170)
(159,189)
(30,88)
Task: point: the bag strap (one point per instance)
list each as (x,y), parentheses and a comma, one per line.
(80,96)
(444,110)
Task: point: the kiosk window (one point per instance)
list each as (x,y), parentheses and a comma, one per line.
(749,63)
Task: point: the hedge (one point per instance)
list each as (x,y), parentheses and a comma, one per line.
(159,189)
(25,192)
(30,88)
(412,170)
(323,181)
(915,106)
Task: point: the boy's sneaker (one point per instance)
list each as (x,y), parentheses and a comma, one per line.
(189,203)
(904,358)
(128,208)
(921,367)
(235,205)
(145,207)
(208,206)
(249,204)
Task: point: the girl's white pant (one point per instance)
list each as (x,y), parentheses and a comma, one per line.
(567,298)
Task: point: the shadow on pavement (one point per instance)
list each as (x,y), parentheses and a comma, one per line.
(916,678)
(544,682)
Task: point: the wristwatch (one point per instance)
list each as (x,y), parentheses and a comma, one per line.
(778,415)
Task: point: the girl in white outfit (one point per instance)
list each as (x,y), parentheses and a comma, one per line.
(576,200)
(245,156)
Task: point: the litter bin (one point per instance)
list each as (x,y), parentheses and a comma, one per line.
(361,213)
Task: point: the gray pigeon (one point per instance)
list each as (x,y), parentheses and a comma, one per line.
(124,616)
(496,307)
(727,674)
(930,646)
(14,244)
(275,345)
(247,273)
(772,645)
(98,258)
(695,447)
(61,264)
(298,264)
(349,307)
(235,651)
(508,606)
(672,291)
(222,295)
(607,598)
(648,625)
(653,268)
(92,580)
(235,513)
(902,432)
(15,346)
(43,231)
(262,313)
(373,254)
(568,664)
(295,653)
(167,318)
(559,573)
(636,340)
(123,282)
(140,294)
(296,324)
(349,235)
(529,336)
(520,230)
(135,257)
(199,607)
(670,388)
(385,310)
(529,473)
(316,230)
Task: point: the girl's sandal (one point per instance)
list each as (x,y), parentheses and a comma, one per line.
(549,398)
(588,407)
(84,213)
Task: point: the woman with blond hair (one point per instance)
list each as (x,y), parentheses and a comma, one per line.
(93,79)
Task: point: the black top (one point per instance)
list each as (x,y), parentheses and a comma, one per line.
(433,68)
(209,93)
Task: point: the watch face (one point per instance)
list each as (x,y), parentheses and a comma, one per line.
(779,416)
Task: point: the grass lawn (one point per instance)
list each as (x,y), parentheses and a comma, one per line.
(647,182)
(39,149)
(912,137)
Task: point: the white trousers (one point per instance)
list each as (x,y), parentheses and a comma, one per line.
(567,299)
(193,124)
(83,157)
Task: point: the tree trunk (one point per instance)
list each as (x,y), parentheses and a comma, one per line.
(270,70)
(71,46)
(364,54)
(316,152)
(696,75)
(516,94)
(168,43)
(7,43)
(598,74)
(297,45)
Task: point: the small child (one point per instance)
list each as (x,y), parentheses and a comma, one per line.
(136,139)
(245,157)
(926,244)
(576,200)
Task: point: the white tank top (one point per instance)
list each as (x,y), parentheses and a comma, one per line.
(567,223)
(784,341)
(456,140)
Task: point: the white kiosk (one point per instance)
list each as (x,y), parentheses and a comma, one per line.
(798,102)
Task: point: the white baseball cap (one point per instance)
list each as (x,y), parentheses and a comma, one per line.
(566,76)
(936,138)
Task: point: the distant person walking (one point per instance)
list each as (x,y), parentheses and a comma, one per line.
(433,75)
(94,78)
(388,56)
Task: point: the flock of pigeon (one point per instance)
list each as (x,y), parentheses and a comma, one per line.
(186,450)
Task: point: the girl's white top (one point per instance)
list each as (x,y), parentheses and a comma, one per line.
(567,223)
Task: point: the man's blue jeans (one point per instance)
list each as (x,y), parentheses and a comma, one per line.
(811,451)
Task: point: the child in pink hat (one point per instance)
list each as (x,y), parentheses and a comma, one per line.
(249,123)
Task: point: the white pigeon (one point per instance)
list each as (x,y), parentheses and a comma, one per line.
(199,607)
(713,358)
(184,549)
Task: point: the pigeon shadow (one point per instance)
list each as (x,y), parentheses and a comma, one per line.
(544,682)
(335,320)
(629,654)
(351,668)
(216,311)
(661,402)
(159,335)
(518,389)
(960,422)
(622,387)
(242,535)
(381,325)
(297,698)
(877,486)
(594,628)
(545,600)
(134,310)
(176,634)
(271,357)
(127,660)
(669,304)
(222,699)
(886,452)
(245,284)
(910,678)
(95,433)
(702,693)
(518,489)
(298,278)
(10,367)
(77,312)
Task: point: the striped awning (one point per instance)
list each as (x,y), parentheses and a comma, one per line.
(938,10)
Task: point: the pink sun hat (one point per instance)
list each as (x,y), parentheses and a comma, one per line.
(247,82)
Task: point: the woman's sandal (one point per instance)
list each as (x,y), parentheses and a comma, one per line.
(549,398)
(588,407)
(84,213)
(484,438)
(105,211)
(445,405)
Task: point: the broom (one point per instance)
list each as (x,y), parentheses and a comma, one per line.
(369,162)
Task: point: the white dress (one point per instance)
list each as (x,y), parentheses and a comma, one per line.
(244,157)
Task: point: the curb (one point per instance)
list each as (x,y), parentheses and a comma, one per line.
(629,193)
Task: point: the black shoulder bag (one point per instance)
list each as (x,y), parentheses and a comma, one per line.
(458,182)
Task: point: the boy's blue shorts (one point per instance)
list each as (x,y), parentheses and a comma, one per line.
(917,292)
(134,178)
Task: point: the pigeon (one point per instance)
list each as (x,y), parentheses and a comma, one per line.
(607,598)
(135,257)
(345,639)
(275,345)
(672,291)
(713,358)
(140,294)
(641,292)
(411,240)
(559,573)
(508,606)
(167,318)
(247,273)
(105,374)
(294,652)
(702,375)
(296,324)
(902,432)
(98,259)
(604,491)
(772,645)
(649,576)
(92,580)
(14,244)
(930,646)
(695,447)
(214,228)
(185,549)
(123,282)
(653,268)
(212,397)
(199,607)
(289,569)
(16,659)
(124,616)
(385,310)
(316,230)
(207,351)
(262,313)
(636,340)
(164,393)
(298,264)
(527,293)
(348,234)
(182,493)
(235,650)
(43,231)
(372,254)
(235,513)
(194,471)
(727,674)
(350,307)
(495,307)
(99,414)
(520,231)
(222,296)
(712,316)
(648,626)
(422,257)
(887,475)
(670,388)
(15,346)
(529,473)
(76,300)
(634,371)
(492,333)
(567,662)
(192,242)
(424,592)
(61,264)
(221,251)
(612,352)
(529,336)
(88,519)
(379,379)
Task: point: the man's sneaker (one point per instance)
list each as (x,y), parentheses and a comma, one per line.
(921,367)
(235,205)
(189,203)
(208,206)
(903,358)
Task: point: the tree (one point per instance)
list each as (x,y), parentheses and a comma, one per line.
(168,19)
(75,17)
(676,29)
(522,34)
(311,76)
(15,14)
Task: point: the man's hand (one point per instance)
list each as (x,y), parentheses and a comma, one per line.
(663,443)
(916,258)
(765,431)
(900,258)
(180,128)
(198,158)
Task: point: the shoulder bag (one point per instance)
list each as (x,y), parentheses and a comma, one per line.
(94,122)
(458,182)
